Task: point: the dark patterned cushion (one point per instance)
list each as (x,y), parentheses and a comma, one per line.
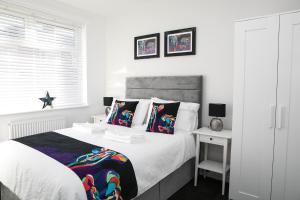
(122,113)
(162,118)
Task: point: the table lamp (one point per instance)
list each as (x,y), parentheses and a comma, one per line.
(216,110)
(107,101)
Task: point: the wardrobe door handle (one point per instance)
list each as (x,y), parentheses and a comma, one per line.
(272,116)
(280,117)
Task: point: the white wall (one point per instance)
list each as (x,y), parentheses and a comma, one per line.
(214,20)
(95,35)
(214,59)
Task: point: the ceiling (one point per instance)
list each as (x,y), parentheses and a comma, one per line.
(111,7)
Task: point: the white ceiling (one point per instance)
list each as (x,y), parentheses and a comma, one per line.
(111,7)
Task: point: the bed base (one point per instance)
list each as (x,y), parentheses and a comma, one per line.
(6,194)
(161,191)
(171,184)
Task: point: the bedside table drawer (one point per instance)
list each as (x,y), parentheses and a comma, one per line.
(212,140)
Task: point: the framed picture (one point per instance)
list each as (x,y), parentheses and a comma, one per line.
(180,42)
(147,46)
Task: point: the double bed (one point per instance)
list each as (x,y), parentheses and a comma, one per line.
(162,164)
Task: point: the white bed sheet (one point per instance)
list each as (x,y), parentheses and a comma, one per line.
(32,175)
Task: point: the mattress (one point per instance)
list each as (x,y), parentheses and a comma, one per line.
(31,174)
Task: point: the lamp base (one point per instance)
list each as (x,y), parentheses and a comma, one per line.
(216,124)
(107,110)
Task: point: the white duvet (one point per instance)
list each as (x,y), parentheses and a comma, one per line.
(32,175)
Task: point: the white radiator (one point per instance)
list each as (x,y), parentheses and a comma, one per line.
(26,127)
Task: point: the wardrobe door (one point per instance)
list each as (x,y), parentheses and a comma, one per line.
(256,53)
(286,176)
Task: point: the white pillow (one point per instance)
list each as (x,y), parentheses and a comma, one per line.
(140,111)
(187,116)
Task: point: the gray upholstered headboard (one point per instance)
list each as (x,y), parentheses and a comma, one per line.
(179,88)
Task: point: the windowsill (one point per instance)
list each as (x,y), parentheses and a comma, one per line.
(46,110)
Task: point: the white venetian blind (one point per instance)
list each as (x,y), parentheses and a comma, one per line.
(38,55)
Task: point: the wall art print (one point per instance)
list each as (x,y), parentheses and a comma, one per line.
(147,46)
(180,42)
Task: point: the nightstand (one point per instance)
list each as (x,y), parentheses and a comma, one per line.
(98,118)
(207,136)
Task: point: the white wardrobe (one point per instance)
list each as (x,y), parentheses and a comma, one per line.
(266,109)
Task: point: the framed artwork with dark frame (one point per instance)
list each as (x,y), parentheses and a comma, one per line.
(147,46)
(180,42)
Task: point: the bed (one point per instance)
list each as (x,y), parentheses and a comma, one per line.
(177,167)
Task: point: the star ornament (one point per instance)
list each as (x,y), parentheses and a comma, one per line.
(47,100)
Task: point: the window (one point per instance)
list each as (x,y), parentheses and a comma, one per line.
(38,55)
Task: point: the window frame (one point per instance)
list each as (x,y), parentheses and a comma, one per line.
(40,16)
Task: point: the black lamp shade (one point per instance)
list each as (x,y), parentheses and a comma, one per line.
(217,110)
(107,101)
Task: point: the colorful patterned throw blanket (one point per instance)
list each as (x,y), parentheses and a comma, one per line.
(105,174)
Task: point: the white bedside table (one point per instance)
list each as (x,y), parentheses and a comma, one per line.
(207,136)
(98,118)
